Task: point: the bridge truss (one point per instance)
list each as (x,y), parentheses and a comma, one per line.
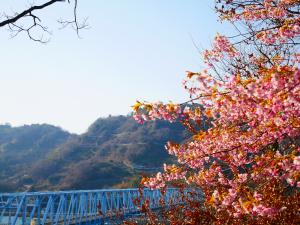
(77,207)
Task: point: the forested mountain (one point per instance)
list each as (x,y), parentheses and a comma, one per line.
(112,153)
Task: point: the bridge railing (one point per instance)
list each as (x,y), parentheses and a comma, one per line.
(76,207)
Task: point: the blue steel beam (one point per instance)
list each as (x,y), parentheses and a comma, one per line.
(76,207)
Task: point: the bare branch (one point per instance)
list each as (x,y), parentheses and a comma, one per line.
(35,25)
(76,25)
(27,12)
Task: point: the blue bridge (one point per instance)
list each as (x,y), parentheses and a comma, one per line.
(78,207)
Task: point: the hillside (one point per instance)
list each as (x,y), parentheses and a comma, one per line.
(113,152)
(21,147)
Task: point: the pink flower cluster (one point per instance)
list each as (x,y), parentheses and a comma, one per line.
(169,112)
(221,47)
(279,17)
(248,115)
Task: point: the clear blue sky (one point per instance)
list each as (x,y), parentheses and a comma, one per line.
(135,49)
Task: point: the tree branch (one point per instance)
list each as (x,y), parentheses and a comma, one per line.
(27,12)
(35,29)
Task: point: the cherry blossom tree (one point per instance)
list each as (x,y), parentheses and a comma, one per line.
(248,162)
